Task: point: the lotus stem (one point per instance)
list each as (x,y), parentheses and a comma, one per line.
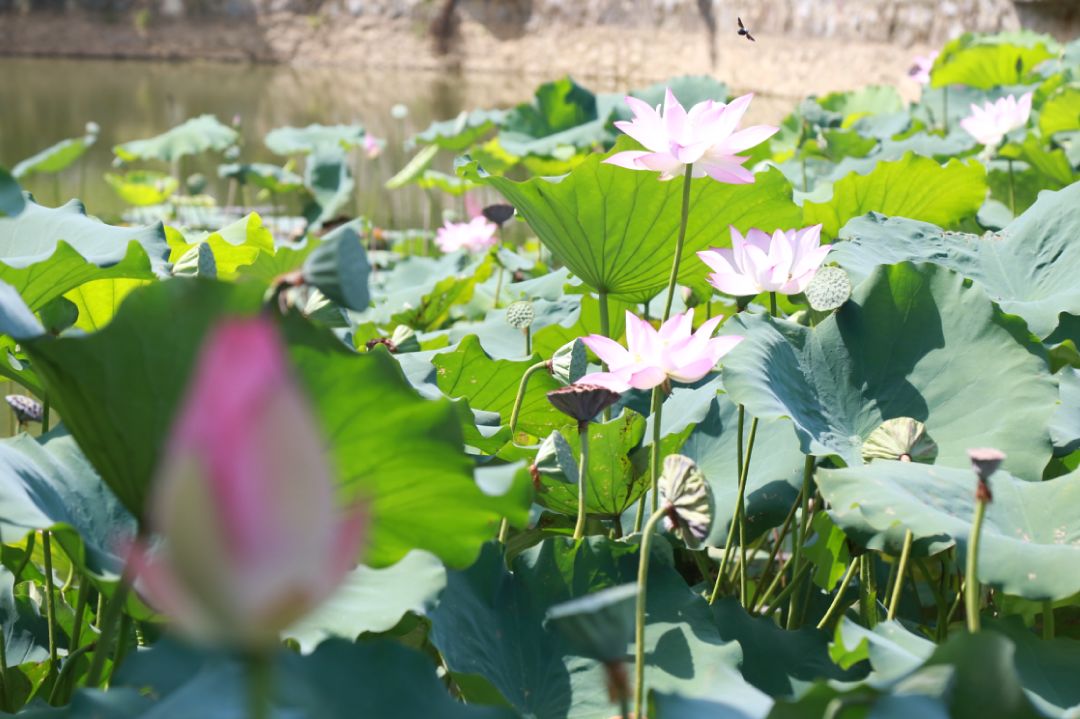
(785,527)
(29,551)
(605,330)
(583,473)
(728,545)
(1012,189)
(60,694)
(787,590)
(945,108)
(504,530)
(687,177)
(971,581)
(654,450)
(802,529)
(905,554)
(772,305)
(1048,619)
(50,595)
(520,398)
(738,522)
(260,686)
(81,599)
(867,591)
(45,415)
(498,285)
(834,607)
(4,704)
(114,609)
(639,621)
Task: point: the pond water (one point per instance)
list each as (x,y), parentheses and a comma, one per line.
(43,101)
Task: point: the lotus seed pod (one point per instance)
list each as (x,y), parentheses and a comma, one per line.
(599,625)
(92,128)
(687,499)
(829,289)
(902,438)
(499,214)
(570,362)
(27,409)
(196,262)
(556,460)
(582,401)
(985,461)
(520,314)
(404,339)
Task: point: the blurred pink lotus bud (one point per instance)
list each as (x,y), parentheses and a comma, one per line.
(652,356)
(477,235)
(921,65)
(990,123)
(373,146)
(784,262)
(244,502)
(705,136)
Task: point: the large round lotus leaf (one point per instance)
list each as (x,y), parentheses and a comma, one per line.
(44,252)
(913,341)
(616,228)
(117,390)
(461,132)
(315,138)
(193,137)
(47,483)
(1030,543)
(55,158)
(1028,269)
(986,61)
(264,176)
(490,622)
(913,186)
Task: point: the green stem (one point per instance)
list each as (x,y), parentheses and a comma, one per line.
(738,522)
(867,591)
(528,341)
(639,618)
(777,578)
(45,415)
(1048,619)
(583,473)
(60,693)
(787,590)
(30,541)
(605,320)
(945,108)
(772,305)
(654,450)
(114,609)
(520,398)
(50,595)
(801,530)
(785,527)
(901,568)
(498,285)
(1012,189)
(836,602)
(4,703)
(80,612)
(260,686)
(687,177)
(504,530)
(971,590)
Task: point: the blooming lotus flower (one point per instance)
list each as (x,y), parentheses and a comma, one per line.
(784,262)
(652,356)
(921,66)
(990,123)
(476,235)
(373,146)
(705,136)
(244,501)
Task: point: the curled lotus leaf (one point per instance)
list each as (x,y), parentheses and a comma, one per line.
(686,498)
(555,459)
(599,625)
(570,362)
(902,438)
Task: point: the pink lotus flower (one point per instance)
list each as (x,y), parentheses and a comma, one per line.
(652,356)
(244,500)
(705,136)
(921,66)
(784,262)
(373,146)
(476,235)
(990,123)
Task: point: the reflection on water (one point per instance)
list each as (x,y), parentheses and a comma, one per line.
(44,101)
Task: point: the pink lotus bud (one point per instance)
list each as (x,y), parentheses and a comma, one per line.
(244,500)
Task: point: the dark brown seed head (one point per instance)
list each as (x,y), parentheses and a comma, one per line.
(582,401)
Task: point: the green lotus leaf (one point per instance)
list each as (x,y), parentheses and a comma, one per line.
(55,158)
(1065,426)
(985,62)
(373,600)
(1061,113)
(610,225)
(461,132)
(414,168)
(688,89)
(1030,540)
(450,184)
(143,188)
(117,390)
(329,180)
(97,301)
(870,100)
(492,385)
(490,622)
(48,483)
(271,178)
(913,186)
(23,630)
(339,268)
(314,139)
(880,356)
(1025,269)
(613,483)
(193,137)
(235,246)
(12,201)
(45,252)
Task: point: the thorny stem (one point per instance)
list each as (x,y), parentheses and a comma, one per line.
(687,177)
(836,602)
(639,619)
(905,554)
(583,473)
(520,398)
